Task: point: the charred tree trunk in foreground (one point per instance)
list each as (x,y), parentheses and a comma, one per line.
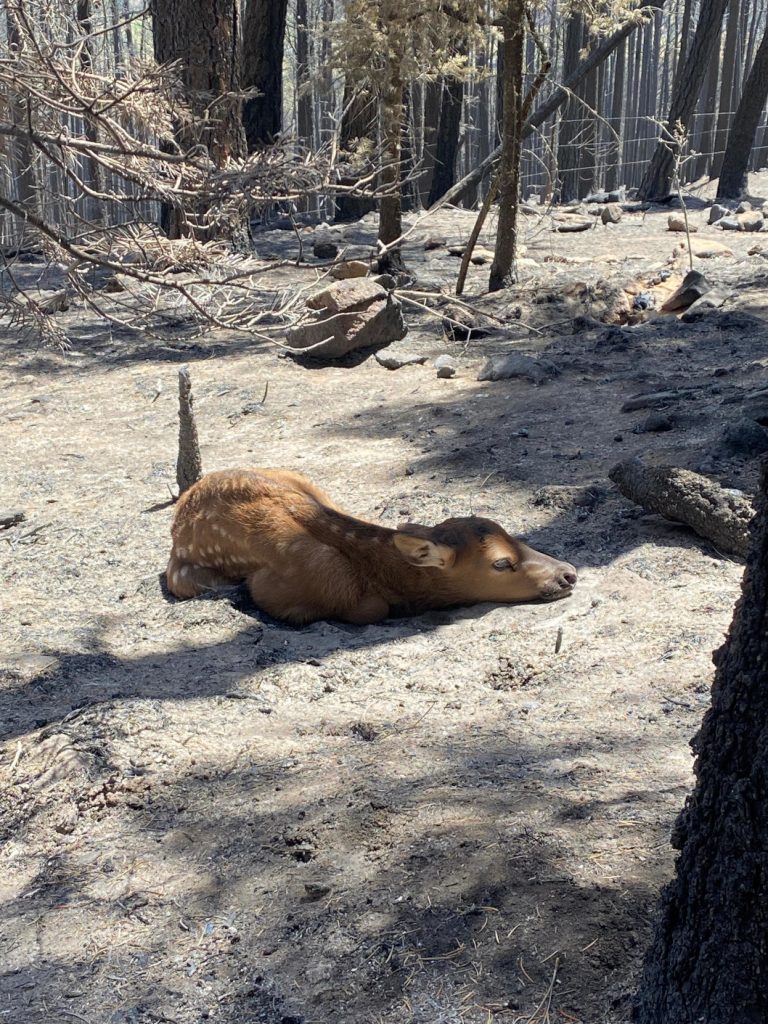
(709,958)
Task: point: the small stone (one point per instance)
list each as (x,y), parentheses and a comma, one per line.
(518,364)
(445,366)
(708,249)
(744,207)
(397,360)
(694,285)
(316,890)
(751,220)
(746,437)
(712,300)
(729,224)
(611,214)
(435,242)
(717,212)
(656,423)
(349,269)
(676,222)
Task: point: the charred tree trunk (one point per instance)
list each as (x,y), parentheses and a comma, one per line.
(733,174)
(727,87)
(303,84)
(503,269)
(613,172)
(391,112)
(569,148)
(709,957)
(358,125)
(263,43)
(203,37)
(657,180)
(447,138)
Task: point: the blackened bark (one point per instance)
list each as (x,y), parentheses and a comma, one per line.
(709,957)
(733,174)
(303,85)
(657,180)
(263,43)
(203,36)
(503,269)
(569,150)
(447,138)
(358,126)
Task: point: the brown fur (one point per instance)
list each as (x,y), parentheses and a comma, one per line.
(304,559)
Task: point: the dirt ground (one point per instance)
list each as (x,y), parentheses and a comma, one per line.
(209,816)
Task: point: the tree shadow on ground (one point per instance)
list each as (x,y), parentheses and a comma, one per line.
(331,907)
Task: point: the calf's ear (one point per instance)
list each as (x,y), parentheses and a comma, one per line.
(423,552)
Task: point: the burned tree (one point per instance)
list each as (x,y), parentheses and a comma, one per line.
(707,961)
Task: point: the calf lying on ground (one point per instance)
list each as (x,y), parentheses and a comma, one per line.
(304,559)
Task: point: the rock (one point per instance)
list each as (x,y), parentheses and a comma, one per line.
(643,301)
(397,360)
(386,281)
(717,212)
(751,220)
(746,437)
(676,222)
(744,207)
(325,242)
(618,195)
(656,423)
(445,366)
(693,286)
(435,242)
(713,299)
(349,269)
(755,250)
(729,224)
(611,214)
(480,256)
(707,249)
(518,364)
(459,324)
(351,315)
(597,197)
(346,295)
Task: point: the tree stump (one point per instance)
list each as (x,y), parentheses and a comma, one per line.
(189,465)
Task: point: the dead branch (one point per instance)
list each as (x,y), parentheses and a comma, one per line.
(720,515)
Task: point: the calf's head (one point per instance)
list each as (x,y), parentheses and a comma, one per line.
(479,561)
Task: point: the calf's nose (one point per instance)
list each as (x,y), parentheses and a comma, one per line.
(567,577)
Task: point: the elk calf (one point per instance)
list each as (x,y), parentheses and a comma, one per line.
(304,559)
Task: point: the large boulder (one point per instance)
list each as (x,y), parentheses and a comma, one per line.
(350,315)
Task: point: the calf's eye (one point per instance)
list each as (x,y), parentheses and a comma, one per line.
(502,564)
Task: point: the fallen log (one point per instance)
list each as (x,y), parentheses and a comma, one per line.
(721,516)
